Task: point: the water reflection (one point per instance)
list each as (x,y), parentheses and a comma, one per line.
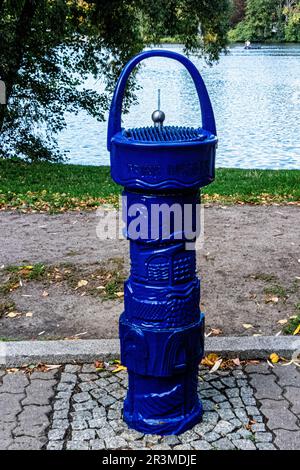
(256,99)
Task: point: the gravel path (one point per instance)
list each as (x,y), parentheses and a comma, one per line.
(247,250)
(76,407)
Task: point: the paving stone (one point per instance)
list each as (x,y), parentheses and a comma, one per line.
(229,382)
(226,414)
(49,375)
(86,406)
(97,444)
(88,377)
(249,401)
(10,406)
(14,383)
(72,368)
(79,425)
(65,387)
(265,386)
(60,424)
(245,433)
(287,440)
(169,440)
(278,415)
(105,432)
(265,446)
(287,375)
(232,392)
(242,415)
(115,442)
(252,410)
(183,447)
(201,445)
(246,392)
(161,447)
(261,368)
(236,402)
(88,369)
(292,394)
(84,435)
(208,405)
(56,434)
(27,443)
(5,443)
(33,421)
(81,397)
(77,445)
(98,412)
(224,444)
(55,445)
(61,405)
(97,422)
(189,436)
(63,395)
(87,386)
(68,378)
(244,444)
(225,405)
(60,414)
(260,427)
(203,428)
(212,436)
(39,392)
(263,437)
(224,427)
(241,382)
(82,414)
(219,398)
(210,417)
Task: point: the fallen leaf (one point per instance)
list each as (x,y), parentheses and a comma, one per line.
(119,369)
(29,314)
(100,287)
(13,314)
(45,294)
(82,283)
(283,321)
(99,365)
(297,330)
(120,294)
(216,366)
(247,326)
(274,358)
(270,363)
(271,299)
(236,361)
(216,331)
(209,360)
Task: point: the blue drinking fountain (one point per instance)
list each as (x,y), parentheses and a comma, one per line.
(162,169)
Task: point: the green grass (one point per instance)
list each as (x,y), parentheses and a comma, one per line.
(58,187)
(293,323)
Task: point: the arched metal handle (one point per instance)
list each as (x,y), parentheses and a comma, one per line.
(114,123)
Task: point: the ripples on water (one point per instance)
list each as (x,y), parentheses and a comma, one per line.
(255,96)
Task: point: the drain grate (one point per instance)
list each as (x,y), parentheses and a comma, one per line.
(164,134)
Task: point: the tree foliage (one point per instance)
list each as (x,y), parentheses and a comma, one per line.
(267,20)
(50,47)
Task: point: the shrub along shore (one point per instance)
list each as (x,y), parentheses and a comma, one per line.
(57,187)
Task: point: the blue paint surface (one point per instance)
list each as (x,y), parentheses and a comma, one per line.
(162,328)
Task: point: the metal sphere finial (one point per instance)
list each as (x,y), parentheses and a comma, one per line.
(158,117)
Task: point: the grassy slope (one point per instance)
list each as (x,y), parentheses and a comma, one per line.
(45,186)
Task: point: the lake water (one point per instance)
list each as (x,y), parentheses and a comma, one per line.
(255,96)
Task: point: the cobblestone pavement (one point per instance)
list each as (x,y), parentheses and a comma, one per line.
(76,407)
